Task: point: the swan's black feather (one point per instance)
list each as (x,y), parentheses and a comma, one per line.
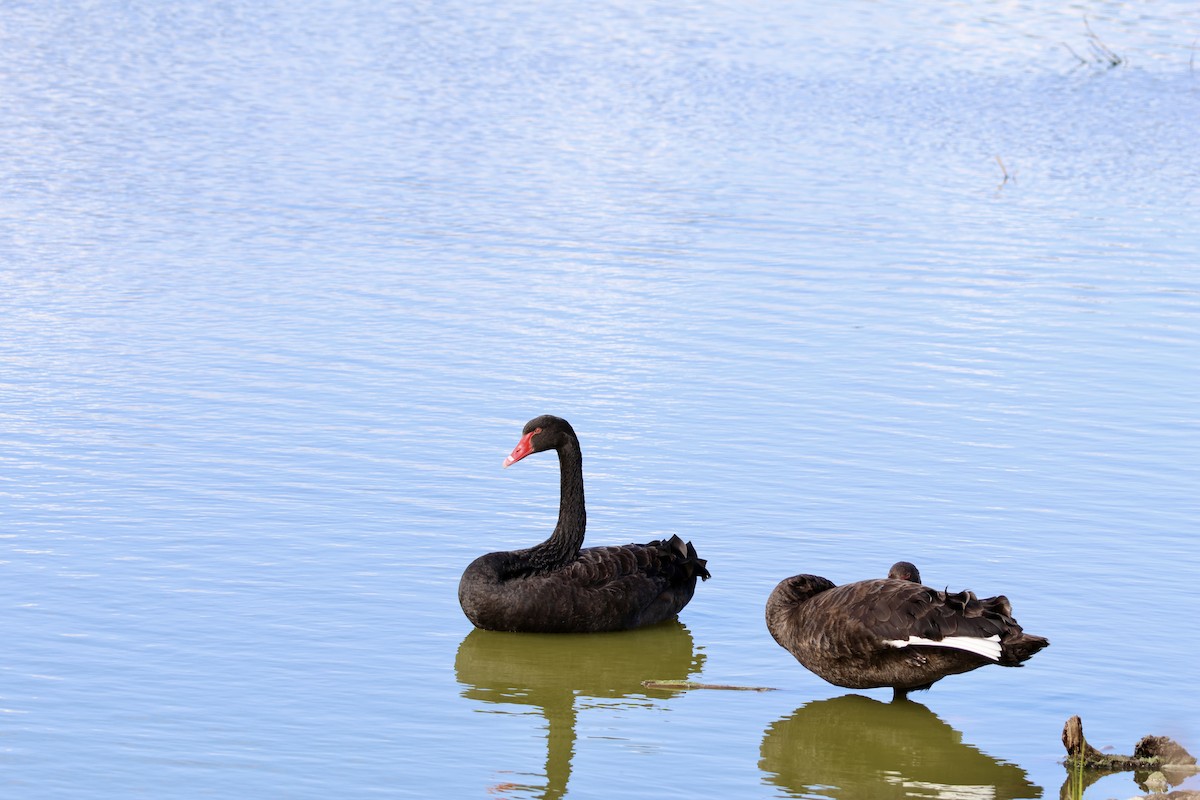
(844,633)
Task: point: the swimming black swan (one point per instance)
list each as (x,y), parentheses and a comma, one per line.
(893,632)
(555,587)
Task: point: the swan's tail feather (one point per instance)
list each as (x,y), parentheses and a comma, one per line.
(685,553)
(700,563)
(1021,648)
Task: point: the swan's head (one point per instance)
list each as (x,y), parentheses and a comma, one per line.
(546,432)
(904,571)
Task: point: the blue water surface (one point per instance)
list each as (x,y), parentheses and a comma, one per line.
(820,286)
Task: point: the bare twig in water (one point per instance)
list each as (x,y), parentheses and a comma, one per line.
(1008,176)
(681,685)
(1083,61)
(1102,54)
(1003,168)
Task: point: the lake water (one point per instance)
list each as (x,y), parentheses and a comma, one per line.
(282,282)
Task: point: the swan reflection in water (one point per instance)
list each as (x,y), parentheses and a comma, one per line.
(854,746)
(562,674)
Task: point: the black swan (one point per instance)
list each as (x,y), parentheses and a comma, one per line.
(556,587)
(893,632)
(904,571)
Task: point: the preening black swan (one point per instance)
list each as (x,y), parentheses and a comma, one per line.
(904,571)
(556,587)
(893,632)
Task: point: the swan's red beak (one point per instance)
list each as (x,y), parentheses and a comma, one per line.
(523,448)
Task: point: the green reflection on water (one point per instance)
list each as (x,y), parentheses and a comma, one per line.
(558,673)
(854,747)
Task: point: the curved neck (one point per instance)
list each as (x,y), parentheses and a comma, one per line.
(786,605)
(781,621)
(563,545)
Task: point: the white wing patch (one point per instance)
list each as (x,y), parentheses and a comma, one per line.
(987,647)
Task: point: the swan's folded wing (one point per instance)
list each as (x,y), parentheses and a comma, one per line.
(670,562)
(892,611)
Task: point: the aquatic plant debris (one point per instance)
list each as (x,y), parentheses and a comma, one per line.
(1165,760)
(683,685)
(1151,752)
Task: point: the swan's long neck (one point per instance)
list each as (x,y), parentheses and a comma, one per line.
(786,605)
(563,545)
(781,619)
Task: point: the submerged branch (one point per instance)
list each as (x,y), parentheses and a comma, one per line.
(1152,752)
(1157,763)
(682,685)
(1102,54)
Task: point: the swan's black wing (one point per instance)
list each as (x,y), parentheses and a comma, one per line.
(628,586)
(881,611)
(671,561)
